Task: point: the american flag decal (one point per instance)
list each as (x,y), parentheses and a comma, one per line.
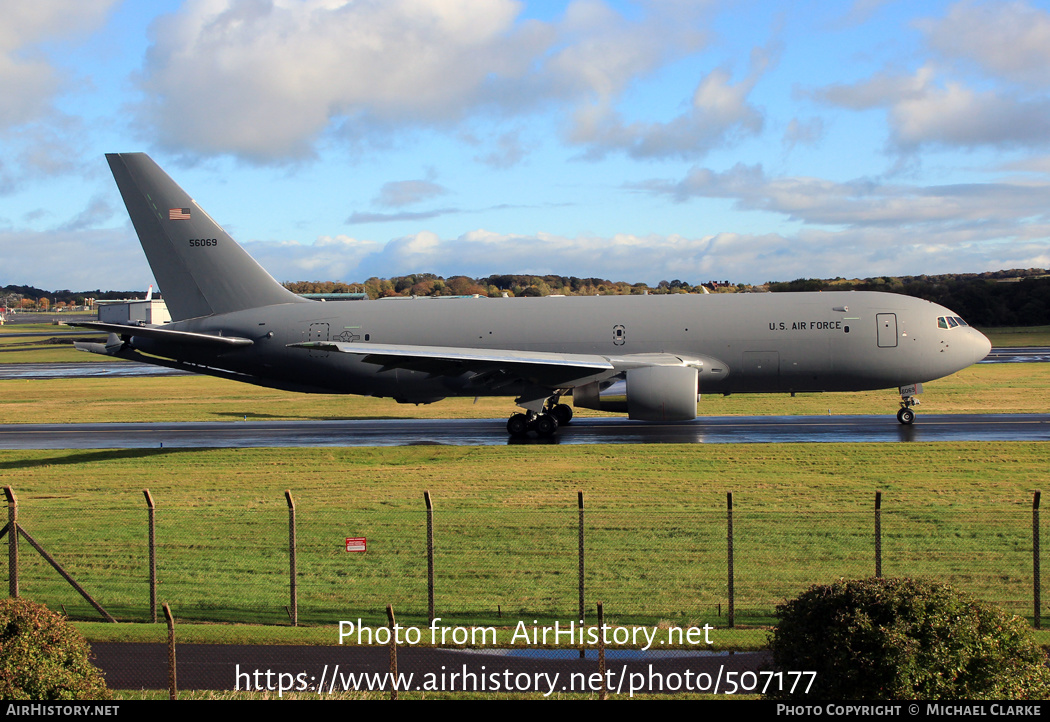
(178,214)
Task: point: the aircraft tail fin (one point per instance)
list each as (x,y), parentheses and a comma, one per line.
(201,270)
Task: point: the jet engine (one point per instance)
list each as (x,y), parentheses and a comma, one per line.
(654,391)
(649,393)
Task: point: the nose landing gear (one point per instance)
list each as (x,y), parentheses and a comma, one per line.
(905,415)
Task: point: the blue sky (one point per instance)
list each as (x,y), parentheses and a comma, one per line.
(636,141)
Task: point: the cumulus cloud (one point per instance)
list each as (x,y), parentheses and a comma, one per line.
(28,81)
(405,193)
(115,260)
(328,258)
(1007,40)
(856,251)
(718,111)
(962,211)
(936,105)
(265,79)
(98,211)
(924,109)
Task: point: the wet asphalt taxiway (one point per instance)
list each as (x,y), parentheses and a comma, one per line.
(492,432)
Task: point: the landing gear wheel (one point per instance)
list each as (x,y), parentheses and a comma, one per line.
(546,426)
(906,416)
(562,413)
(518,425)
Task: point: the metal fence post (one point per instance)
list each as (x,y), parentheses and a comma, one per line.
(579,503)
(430,556)
(729,546)
(151,513)
(878,535)
(393,651)
(12,542)
(293,611)
(1036,586)
(173,692)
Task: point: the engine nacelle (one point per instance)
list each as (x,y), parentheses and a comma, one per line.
(648,393)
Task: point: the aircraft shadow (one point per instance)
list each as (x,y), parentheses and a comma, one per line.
(89,456)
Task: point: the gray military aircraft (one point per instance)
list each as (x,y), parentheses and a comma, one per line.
(648,356)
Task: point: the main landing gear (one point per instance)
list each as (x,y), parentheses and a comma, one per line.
(906,416)
(545,423)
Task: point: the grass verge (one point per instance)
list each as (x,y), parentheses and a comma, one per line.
(506,525)
(985,388)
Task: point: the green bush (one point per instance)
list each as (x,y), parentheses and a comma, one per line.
(878,639)
(42,657)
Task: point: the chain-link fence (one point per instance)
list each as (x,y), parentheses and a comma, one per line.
(497,566)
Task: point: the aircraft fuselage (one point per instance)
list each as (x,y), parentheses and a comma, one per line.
(789,342)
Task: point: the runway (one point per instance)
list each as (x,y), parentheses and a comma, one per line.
(83,370)
(492,432)
(1017,354)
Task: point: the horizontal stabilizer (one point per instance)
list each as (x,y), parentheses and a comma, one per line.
(111,347)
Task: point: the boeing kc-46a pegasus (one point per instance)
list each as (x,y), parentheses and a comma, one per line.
(648,356)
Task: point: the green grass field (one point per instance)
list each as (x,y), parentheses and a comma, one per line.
(1018,336)
(506,527)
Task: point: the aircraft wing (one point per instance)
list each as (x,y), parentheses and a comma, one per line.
(544,368)
(166,334)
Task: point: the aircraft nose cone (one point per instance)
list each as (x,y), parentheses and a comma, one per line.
(982,346)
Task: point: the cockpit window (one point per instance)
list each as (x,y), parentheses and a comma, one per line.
(950,322)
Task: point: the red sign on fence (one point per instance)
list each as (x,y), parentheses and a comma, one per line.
(356,544)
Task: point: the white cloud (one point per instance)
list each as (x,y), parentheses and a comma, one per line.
(396,194)
(812,252)
(963,211)
(1008,40)
(265,79)
(939,105)
(28,80)
(926,110)
(719,111)
(329,258)
(61,259)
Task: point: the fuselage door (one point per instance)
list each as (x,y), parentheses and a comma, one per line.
(762,369)
(887,329)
